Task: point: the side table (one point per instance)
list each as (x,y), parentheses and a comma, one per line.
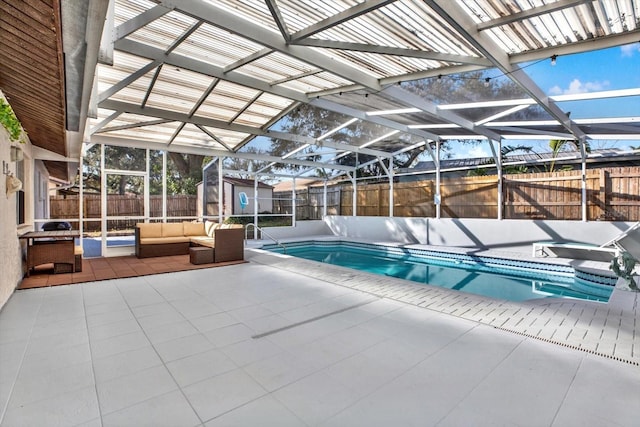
(200,255)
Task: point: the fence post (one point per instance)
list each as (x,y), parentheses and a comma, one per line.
(602,180)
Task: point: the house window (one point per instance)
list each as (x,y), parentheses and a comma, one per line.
(20,205)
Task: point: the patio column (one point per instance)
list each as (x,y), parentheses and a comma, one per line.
(293,201)
(498,159)
(354,197)
(583,183)
(437,197)
(324,199)
(390,173)
(147,204)
(220,191)
(103,206)
(255,207)
(81,195)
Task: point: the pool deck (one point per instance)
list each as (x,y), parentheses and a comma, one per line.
(281,341)
(610,330)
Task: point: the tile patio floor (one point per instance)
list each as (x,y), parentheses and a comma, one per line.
(112,268)
(277,342)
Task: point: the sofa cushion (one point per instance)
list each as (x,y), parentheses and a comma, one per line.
(209,242)
(150,229)
(172,229)
(210,227)
(163,240)
(231,226)
(194,229)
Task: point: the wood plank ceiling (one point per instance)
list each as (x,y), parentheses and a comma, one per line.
(32,73)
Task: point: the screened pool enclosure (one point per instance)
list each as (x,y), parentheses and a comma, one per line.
(348,90)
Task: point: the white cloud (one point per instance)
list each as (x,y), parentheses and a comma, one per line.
(630,49)
(469,152)
(576,86)
(556,90)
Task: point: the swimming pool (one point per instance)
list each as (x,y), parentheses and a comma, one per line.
(513,280)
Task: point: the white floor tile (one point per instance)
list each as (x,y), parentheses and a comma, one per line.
(264,412)
(148,310)
(251,350)
(171,331)
(167,410)
(316,398)
(66,409)
(213,321)
(128,390)
(33,386)
(218,395)
(113,329)
(183,347)
(280,370)
(118,344)
(601,394)
(385,363)
(198,367)
(228,335)
(126,363)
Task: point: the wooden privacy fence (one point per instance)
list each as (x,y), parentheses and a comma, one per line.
(66,207)
(612,194)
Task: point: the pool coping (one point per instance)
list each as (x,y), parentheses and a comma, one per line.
(609,329)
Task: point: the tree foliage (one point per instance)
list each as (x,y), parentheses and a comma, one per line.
(246,167)
(476,86)
(184,171)
(308,120)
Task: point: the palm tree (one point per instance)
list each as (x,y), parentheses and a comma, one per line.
(559,145)
(505,150)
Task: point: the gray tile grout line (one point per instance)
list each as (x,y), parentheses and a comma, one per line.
(93,370)
(164,364)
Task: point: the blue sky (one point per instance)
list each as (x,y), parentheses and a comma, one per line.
(608,69)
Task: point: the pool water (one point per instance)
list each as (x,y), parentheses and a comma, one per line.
(478,275)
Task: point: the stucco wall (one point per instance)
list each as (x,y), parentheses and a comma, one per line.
(513,235)
(10,253)
(380,229)
(302,228)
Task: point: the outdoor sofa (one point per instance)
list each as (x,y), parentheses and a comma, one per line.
(175,238)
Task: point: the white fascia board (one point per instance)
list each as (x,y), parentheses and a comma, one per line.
(40,153)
